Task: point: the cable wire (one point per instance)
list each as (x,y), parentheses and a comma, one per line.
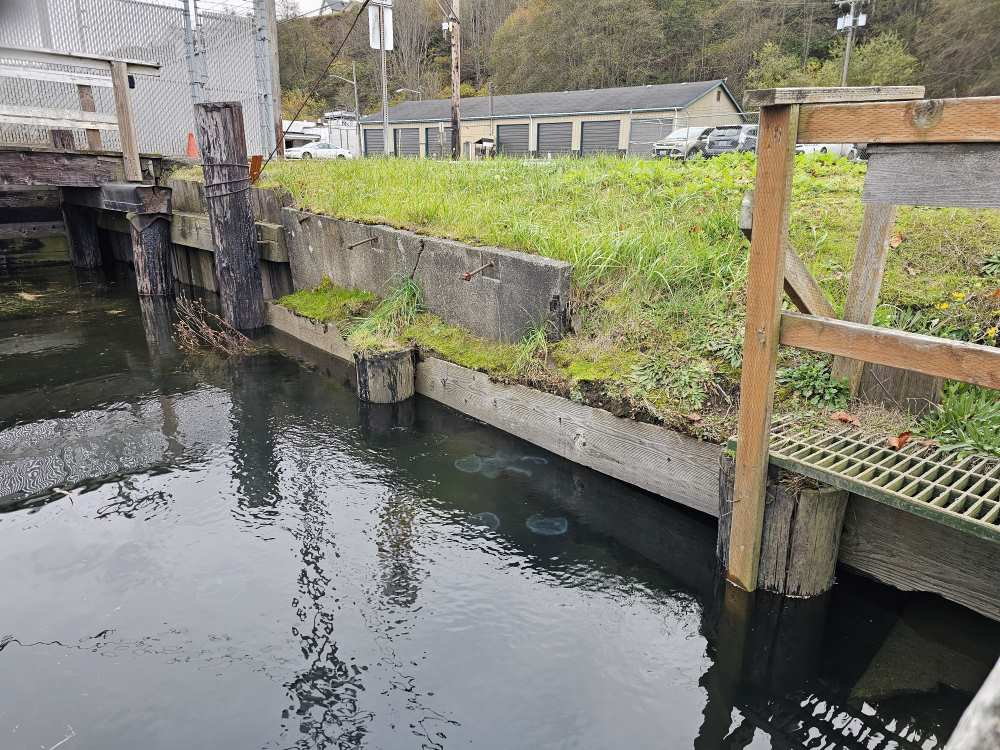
(315,84)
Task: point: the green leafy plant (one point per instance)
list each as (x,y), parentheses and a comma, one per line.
(532,349)
(967,420)
(729,350)
(812,382)
(991,266)
(685,382)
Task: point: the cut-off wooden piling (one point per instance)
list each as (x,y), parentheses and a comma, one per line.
(385,377)
(800,533)
(222,141)
(154,272)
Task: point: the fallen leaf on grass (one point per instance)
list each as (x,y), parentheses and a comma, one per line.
(694,417)
(115,312)
(896,443)
(843,416)
(28,296)
(896,240)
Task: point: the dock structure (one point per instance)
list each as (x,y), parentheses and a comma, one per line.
(948,150)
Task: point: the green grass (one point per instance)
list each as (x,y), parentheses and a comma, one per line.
(660,266)
(967,421)
(329,303)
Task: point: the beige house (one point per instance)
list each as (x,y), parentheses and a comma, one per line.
(626,120)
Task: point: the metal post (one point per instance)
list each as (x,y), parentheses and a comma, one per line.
(262,57)
(357,108)
(385,80)
(190,56)
(271,18)
(455,29)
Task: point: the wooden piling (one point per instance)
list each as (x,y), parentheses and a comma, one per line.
(800,533)
(151,250)
(81,227)
(385,377)
(979,727)
(222,142)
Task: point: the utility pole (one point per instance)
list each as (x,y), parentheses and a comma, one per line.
(455,30)
(272,37)
(850,22)
(265,90)
(357,109)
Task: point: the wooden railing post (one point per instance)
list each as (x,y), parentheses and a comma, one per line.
(866,279)
(222,142)
(126,123)
(775,163)
(86,95)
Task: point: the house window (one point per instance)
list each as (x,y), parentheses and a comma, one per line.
(718,95)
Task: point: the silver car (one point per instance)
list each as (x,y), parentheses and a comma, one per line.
(318,150)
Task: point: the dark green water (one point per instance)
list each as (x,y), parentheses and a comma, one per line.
(199,554)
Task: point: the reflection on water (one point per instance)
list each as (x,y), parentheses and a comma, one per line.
(198,554)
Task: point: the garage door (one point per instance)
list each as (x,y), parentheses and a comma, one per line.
(646,132)
(599,136)
(554,138)
(407,141)
(433,136)
(512,140)
(374,143)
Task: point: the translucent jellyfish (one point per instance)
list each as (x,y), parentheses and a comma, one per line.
(547,525)
(487,520)
(534,460)
(519,470)
(470,464)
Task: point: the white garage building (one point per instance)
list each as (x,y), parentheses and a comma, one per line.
(626,120)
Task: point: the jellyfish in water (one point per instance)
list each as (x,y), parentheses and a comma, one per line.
(469,464)
(487,520)
(538,460)
(547,525)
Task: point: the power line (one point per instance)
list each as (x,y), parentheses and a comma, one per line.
(319,79)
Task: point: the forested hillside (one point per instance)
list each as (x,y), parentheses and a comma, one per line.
(951,46)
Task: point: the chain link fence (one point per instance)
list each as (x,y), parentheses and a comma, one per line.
(206,50)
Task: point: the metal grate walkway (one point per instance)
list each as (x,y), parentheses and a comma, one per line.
(922,479)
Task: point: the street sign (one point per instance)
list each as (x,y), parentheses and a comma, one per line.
(373,27)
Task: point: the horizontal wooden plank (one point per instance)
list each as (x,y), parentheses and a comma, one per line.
(22,197)
(78,59)
(971,120)
(51,74)
(194,230)
(956,360)
(830,94)
(949,175)
(56,118)
(28,229)
(914,553)
(50,168)
(656,459)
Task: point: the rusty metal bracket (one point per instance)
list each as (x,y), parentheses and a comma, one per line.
(467,276)
(373,239)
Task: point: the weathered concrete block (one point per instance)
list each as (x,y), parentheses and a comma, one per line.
(323,336)
(502,302)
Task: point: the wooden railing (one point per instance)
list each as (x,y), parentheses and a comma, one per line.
(921,174)
(61,121)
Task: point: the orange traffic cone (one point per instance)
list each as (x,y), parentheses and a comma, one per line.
(192,147)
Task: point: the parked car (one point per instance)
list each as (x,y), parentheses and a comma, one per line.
(841,149)
(682,143)
(318,150)
(727,138)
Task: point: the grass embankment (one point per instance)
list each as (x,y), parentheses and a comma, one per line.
(660,270)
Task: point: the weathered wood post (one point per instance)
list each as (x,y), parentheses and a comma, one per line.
(81,228)
(385,377)
(154,271)
(222,141)
(800,533)
(765,282)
